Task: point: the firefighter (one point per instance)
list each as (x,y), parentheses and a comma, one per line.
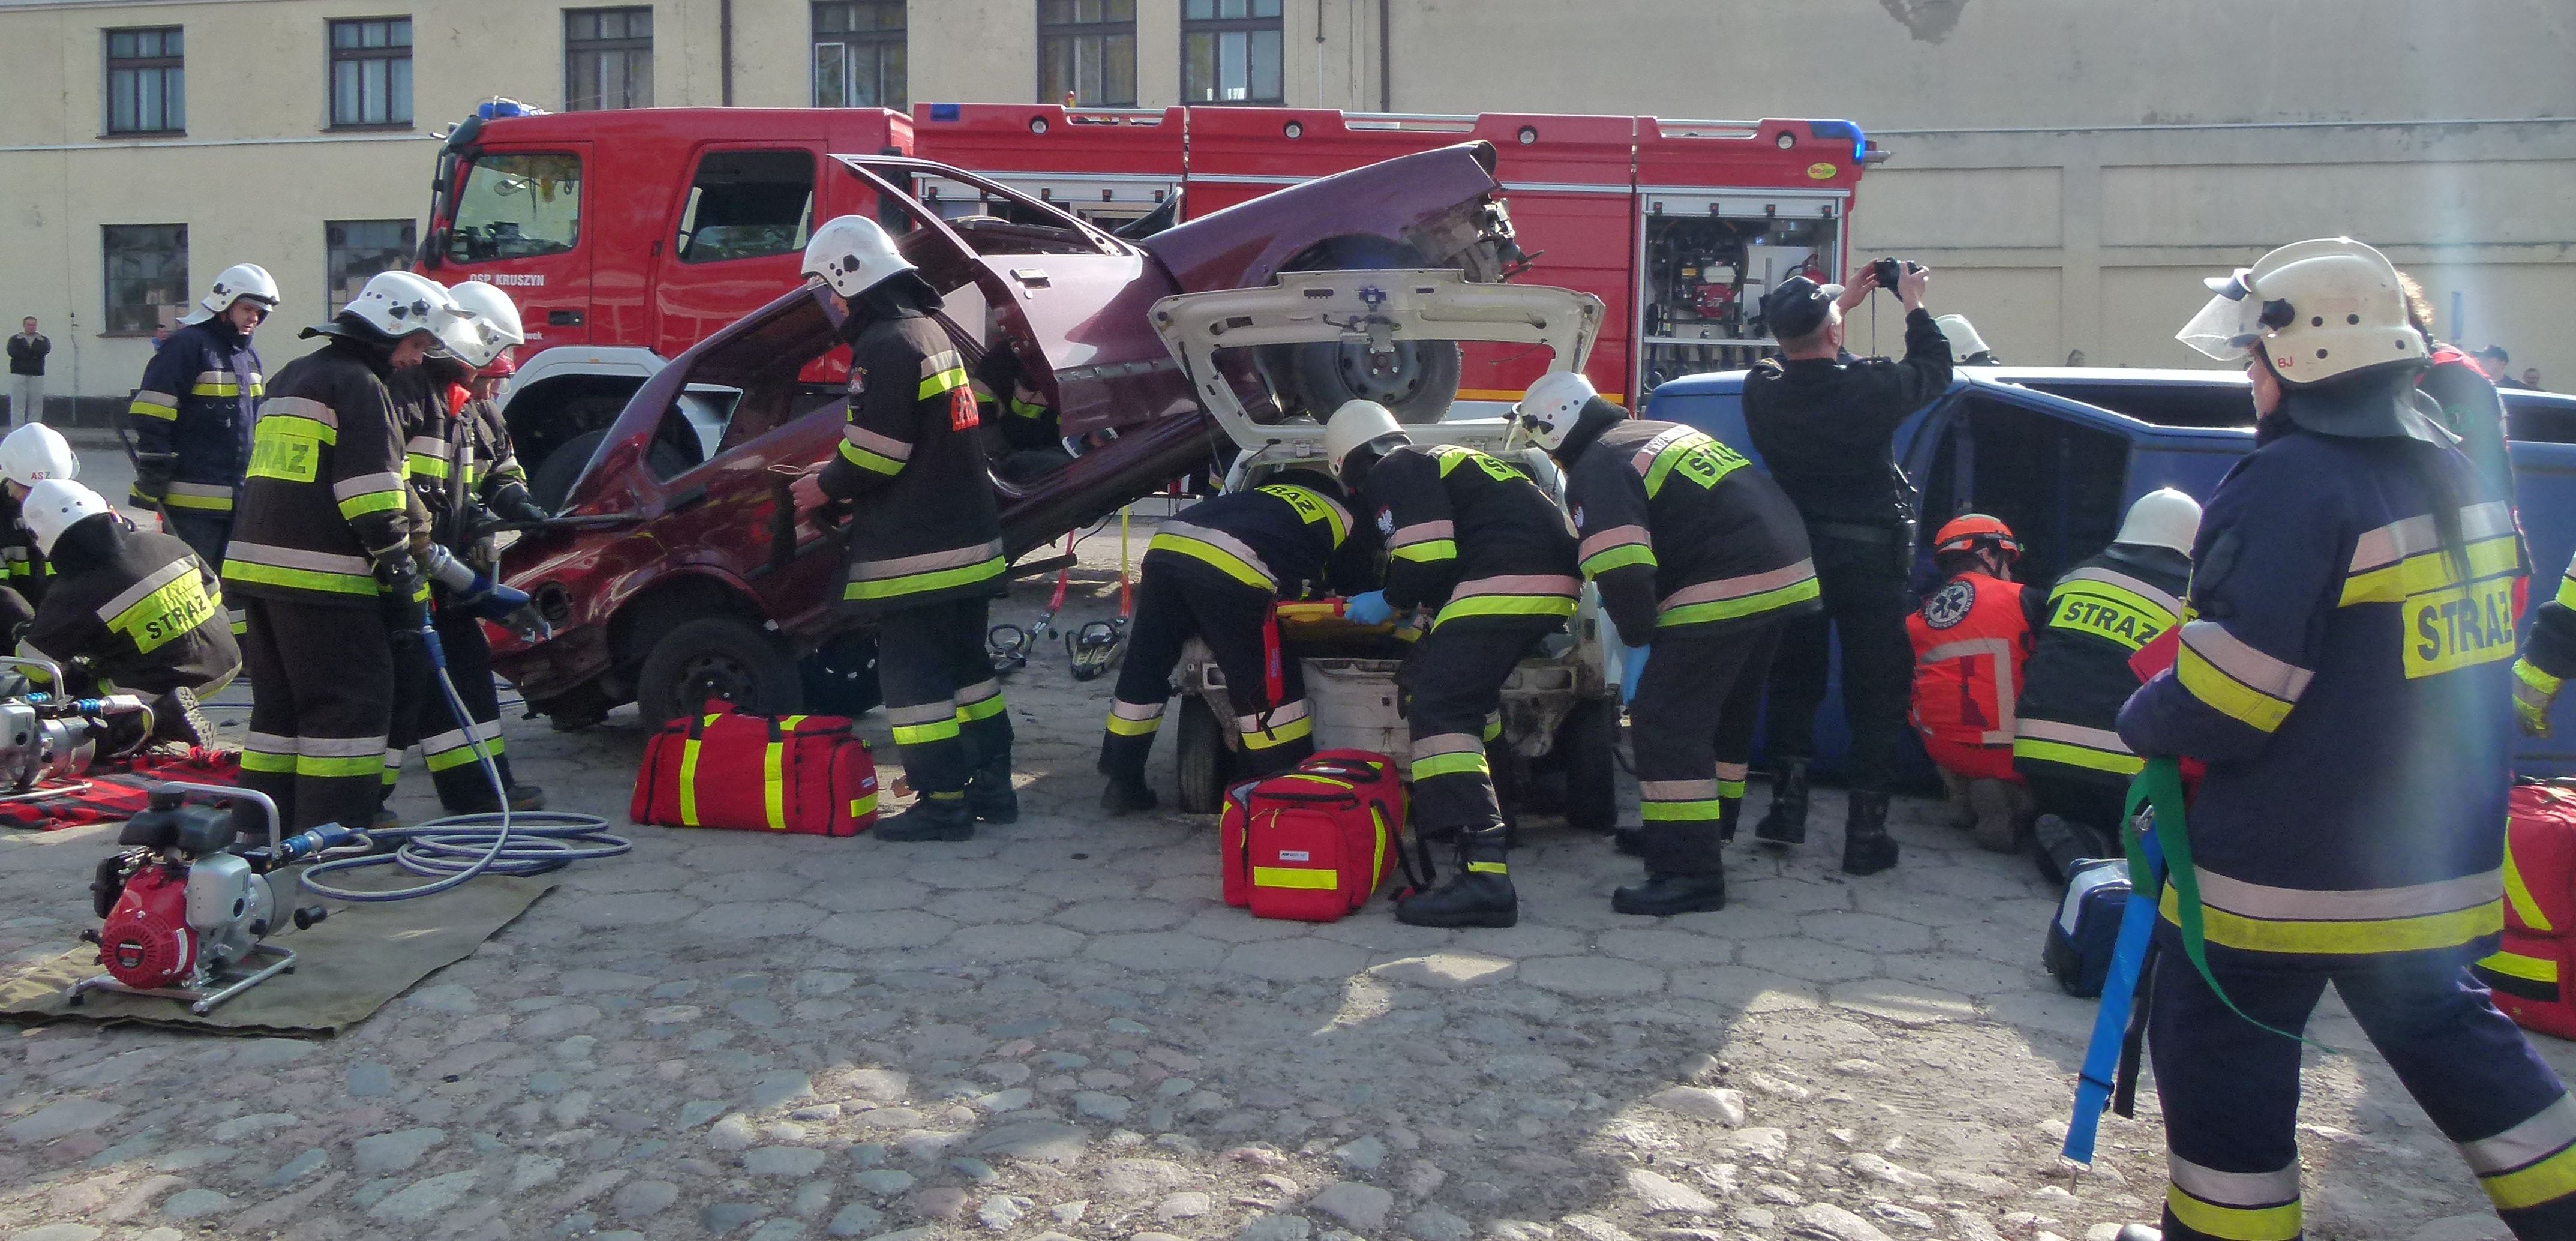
(1966,345)
(1825,428)
(925,538)
(29,455)
(1970,637)
(132,609)
(1701,561)
(2466,396)
(191,420)
(2346,681)
(321,550)
(1473,537)
(445,405)
(1214,570)
(2097,616)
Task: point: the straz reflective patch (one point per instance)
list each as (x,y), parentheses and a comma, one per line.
(2104,616)
(2447,630)
(165,613)
(278,453)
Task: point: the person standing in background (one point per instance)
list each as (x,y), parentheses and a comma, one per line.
(160,337)
(27,352)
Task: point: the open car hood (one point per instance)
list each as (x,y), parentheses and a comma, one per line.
(1360,307)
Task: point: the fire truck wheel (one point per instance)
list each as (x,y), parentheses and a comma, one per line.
(1585,743)
(1204,760)
(717,657)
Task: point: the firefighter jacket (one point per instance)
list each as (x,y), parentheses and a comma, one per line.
(1826,429)
(323,508)
(2473,411)
(139,608)
(1678,531)
(2552,645)
(1284,538)
(1012,406)
(2346,679)
(926,529)
(191,420)
(22,567)
(444,450)
(1971,637)
(1471,535)
(2095,619)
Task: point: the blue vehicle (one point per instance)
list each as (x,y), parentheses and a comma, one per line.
(2059,454)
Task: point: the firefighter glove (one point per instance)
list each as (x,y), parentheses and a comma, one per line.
(511,502)
(2533,692)
(152,474)
(1632,665)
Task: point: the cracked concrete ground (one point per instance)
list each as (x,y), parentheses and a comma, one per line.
(1057,1030)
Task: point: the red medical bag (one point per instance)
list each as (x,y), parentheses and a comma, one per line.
(721,768)
(1314,843)
(2531,975)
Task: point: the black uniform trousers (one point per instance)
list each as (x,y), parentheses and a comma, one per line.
(1173,604)
(1863,585)
(2095,799)
(1453,682)
(947,710)
(325,687)
(1691,728)
(424,717)
(2230,1092)
(206,535)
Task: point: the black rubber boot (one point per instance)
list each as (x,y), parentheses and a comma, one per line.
(1867,849)
(1629,840)
(527,797)
(1785,823)
(1479,894)
(937,816)
(1124,795)
(1729,810)
(1684,873)
(989,795)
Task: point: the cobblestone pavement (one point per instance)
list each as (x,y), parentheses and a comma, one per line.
(1057,1030)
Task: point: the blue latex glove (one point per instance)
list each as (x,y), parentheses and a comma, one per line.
(1632,664)
(490,600)
(1369,609)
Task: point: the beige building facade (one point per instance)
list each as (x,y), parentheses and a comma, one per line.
(2069,166)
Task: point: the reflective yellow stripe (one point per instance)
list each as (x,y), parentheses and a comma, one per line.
(925,734)
(262,760)
(2426,571)
(980,709)
(1296,877)
(2525,909)
(367,502)
(459,756)
(2566,597)
(1293,730)
(257,574)
(2514,964)
(875,463)
(2227,695)
(423,465)
(1748,605)
(1488,868)
(333,765)
(2343,937)
(1026,409)
(923,583)
(224,388)
(175,498)
(1121,727)
(1505,605)
(2078,756)
(1730,790)
(2546,1181)
(162,616)
(953,377)
(1700,459)
(1209,554)
(2106,611)
(153,409)
(1427,551)
(689,778)
(773,781)
(862,805)
(1680,811)
(1430,765)
(2275,1223)
(1619,557)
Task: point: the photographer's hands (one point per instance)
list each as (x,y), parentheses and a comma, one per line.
(1858,290)
(1909,287)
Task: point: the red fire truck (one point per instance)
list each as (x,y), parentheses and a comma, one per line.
(628,236)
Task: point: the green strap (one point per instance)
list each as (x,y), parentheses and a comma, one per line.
(2159,786)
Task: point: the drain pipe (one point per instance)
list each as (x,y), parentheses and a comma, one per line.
(724,26)
(1385,59)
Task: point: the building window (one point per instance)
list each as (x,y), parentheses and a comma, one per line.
(1230,51)
(608,59)
(147,276)
(1087,50)
(371,72)
(357,249)
(147,82)
(858,54)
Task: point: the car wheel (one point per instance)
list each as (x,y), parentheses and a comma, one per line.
(1205,761)
(717,657)
(1417,382)
(555,475)
(1586,743)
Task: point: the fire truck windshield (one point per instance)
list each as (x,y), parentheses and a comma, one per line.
(517,206)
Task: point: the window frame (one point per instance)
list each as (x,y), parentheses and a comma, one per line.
(1104,29)
(332,282)
(879,36)
(334,55)
(162,64)
(1247,26)
(693,193)
(107,281)
(624,45)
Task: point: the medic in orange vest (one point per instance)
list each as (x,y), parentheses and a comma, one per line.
(1970,638)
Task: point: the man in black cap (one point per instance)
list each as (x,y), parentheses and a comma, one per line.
(1824,423)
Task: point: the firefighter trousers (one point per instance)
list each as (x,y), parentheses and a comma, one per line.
(1864,592)
(324,677)
(1692,728)
(206,535)
(2231,1092)
(1174,604)
(947,710)
(1453,681)
(423,716)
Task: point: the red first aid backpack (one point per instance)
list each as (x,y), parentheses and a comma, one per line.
(2533,974)
(804,774)
(1313,844)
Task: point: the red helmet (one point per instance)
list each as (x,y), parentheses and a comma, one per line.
(503,365)
(1965,531)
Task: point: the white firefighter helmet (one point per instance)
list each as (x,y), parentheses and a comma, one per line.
(56,505)
(1553,405)
(853,254)
(399,303)
(1356,425)
(1964,341)
(2162,518)
(2320,309)
(496,316)
(233,284)
(35,452)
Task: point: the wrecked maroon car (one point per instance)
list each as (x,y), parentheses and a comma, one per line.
(687,561)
